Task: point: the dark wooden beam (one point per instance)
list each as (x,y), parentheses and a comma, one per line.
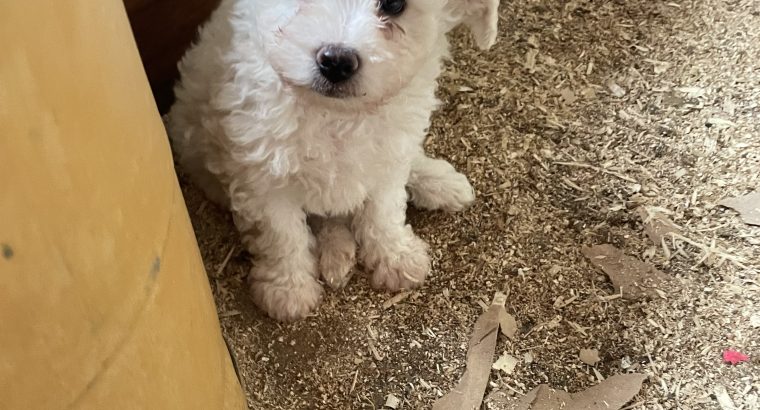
(164,29)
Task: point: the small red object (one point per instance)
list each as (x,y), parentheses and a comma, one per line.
(734,357)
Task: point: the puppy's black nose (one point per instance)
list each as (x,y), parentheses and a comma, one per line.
(336,63)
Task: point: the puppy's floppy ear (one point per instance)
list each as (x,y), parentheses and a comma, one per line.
(480,16)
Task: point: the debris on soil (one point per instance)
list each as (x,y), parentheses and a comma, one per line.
(392,402)
(719,123)
(656,224)
(499,400)
(616,90)
(724,400)
(506,363)
(611,394)
(528,357)
(468,394)
(589,356)
(748,207)
(734,357)
(631,277)
(397,298)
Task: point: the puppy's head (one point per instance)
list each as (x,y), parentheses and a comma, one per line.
(363,49)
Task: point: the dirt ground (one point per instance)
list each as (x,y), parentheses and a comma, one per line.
(583,112)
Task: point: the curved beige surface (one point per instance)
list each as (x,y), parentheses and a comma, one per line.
(104,302)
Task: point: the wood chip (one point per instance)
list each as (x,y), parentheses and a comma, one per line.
(616,90)
(392,402)
(589,356)
(533,41)
(754,320)
(373,350)
(528,357)
(568,96)
(230,313)
(720,123)
(631,277)
(657,226)
(226,260)
(506,363)
(748,207)
(396,299)
(724,400)
(530,60)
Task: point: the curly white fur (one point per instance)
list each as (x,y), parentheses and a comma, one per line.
(253,133)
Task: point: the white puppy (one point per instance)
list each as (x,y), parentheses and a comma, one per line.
(289,108)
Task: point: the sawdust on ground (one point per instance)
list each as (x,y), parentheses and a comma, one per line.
(583,112)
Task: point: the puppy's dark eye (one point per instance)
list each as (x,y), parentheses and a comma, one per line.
(392,7)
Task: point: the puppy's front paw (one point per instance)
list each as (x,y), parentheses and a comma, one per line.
(286,300)
(435,184)
(337,255)
(456,193)
(406,269)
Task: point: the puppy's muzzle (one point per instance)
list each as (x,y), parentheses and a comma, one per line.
(337,64)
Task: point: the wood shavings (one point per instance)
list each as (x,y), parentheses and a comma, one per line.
(589,166)
(709,252)
(498,400)
(578,328)
(633,278)
(561,302)
(748,207)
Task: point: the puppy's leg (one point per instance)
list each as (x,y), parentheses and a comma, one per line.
(336,248)
(388,247)
(283,280)
(435,184)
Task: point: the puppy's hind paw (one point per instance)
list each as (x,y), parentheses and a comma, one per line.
(434,184)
